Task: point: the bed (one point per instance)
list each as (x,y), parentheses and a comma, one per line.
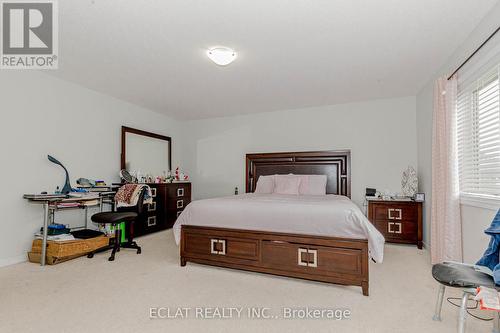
(322,238)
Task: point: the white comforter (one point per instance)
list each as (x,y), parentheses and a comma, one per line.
(329,215)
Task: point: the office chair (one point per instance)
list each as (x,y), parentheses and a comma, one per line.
(468,278)
(128,215)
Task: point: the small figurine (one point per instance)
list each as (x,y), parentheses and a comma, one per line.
(180,175)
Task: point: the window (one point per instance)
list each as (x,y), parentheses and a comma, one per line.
(478,135)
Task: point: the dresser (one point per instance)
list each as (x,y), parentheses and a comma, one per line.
(169,200)
(400,221)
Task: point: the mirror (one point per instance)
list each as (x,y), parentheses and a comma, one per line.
(146,153)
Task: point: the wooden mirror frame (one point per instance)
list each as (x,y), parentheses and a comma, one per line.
(126,130)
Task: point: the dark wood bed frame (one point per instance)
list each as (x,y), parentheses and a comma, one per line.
(319,258)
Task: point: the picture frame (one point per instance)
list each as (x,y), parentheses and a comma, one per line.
(420,197)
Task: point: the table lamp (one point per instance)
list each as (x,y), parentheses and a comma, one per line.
(67,186)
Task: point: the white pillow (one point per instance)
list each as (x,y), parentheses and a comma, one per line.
(286,184)
(315,185)
(265,185)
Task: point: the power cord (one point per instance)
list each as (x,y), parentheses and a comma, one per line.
(449,300)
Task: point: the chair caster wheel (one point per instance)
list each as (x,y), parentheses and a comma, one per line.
(139,251)
(90,255)
(111,259)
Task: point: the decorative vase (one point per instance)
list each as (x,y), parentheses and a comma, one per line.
(409,182)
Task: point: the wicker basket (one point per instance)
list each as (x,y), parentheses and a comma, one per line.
(70,248)
(35,257)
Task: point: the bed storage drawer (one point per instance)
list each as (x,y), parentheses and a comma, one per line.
(313,259)
(318,258)
(211,246)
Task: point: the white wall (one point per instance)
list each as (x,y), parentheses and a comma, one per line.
(381,135)
(43,115)
(473,219)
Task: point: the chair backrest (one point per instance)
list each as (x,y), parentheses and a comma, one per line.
(140,202)
(139,208)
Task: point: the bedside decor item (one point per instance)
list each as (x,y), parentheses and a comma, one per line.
(67,186)
(420,197)
(409,182)
(370,192)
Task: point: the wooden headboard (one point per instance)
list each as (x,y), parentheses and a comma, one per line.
(336,165)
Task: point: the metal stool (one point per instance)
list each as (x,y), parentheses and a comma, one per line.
(466,277)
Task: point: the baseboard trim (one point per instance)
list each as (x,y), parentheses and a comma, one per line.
(12,261)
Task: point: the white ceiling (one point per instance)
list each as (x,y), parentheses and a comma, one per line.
(291,53)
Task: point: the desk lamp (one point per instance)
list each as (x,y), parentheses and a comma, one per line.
(67,186)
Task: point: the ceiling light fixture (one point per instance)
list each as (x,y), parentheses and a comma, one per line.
(221,55)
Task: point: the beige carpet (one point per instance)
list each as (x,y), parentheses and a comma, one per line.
(94,295)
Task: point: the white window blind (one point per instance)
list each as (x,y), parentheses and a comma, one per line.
(478,135)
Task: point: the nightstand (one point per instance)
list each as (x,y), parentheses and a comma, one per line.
(400,221)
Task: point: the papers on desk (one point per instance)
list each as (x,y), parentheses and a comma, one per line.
(43,196)
(489,298)
(90,202)
(96,188)
(68,204)
(56,238)
(84,195)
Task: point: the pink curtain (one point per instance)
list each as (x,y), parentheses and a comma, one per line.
(446,225)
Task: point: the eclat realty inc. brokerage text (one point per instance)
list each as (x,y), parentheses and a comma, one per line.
(248,312)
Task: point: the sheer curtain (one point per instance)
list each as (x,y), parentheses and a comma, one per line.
(446,225)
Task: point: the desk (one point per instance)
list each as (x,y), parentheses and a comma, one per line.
(50,206)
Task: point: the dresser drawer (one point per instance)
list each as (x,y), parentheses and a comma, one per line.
(398,230)
(394,212)
(176,204)
(212,246)
(321,260)
(180,191)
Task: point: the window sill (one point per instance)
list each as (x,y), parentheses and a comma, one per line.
(487,202)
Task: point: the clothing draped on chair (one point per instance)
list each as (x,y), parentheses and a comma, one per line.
(490,257)
(128,195)
(446,226)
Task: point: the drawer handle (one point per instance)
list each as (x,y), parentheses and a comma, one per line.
(392,210)
(180,192)
(151,221)
(152,207)
(153,192)
(301,260)
(179,213)
(389,229)
(180,203)
(398,224)
(217,246)
(304,256)
(314,262)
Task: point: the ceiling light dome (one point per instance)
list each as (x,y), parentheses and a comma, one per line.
(221,55)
